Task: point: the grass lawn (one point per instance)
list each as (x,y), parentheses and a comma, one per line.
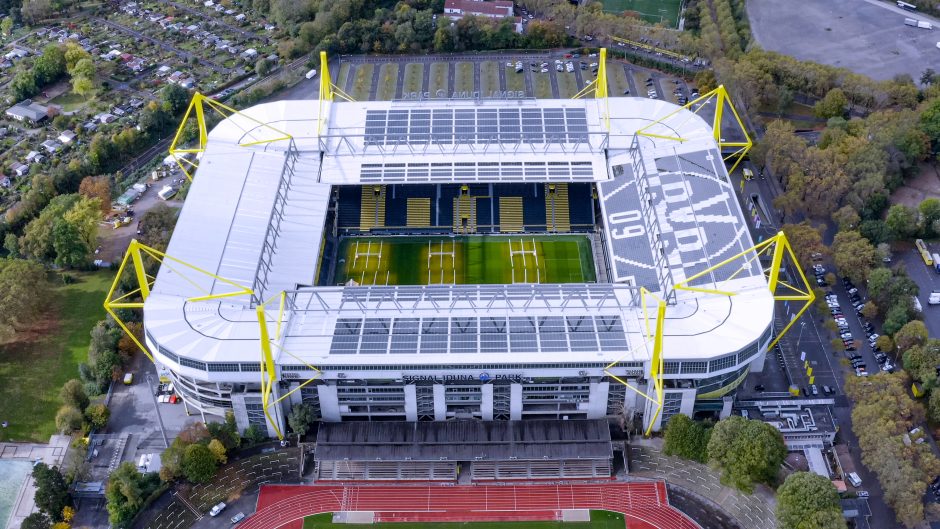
(363,82)
(599,520)
(35,367)
(388,78)
(665,12)
(414,77)
(567,85)
(464,77)
(489,77)
(616,80)
(516,81)
(69,101)
(543,85)
(438,80)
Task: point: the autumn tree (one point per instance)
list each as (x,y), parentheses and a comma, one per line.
(913,333)
(73,394)
(97,415)
(805,240)
(834,104)
(854,255)
(97,187)
(807,499)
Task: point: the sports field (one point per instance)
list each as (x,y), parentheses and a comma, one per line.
(482,259)
(655,11)
(599,520)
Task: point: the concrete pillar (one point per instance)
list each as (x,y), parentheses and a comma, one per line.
(411,402)
(241,413)
(440,403)
(486,401)
(688,402)
(597,403)
(725,407)
(329,403)
(515,402)
(757,364)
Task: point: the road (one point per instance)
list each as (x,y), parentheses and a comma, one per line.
(927,279)
(164,45)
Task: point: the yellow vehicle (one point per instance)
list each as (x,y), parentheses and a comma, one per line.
(924,252)
(128,379)
(748,174)
(120,222)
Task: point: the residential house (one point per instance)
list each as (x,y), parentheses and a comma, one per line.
(219,8)
(117,111)
(111,55)
(175,77)
(192,28)
(240,18)
(250,53)
(16,54)
(269,27)
(136,64)
(105,117)
(67,137)
(34,157)
(136,103)
(90,126)
(19,169)
(188,83)
(28,111)
(229,12)
(457,9)
(208,3)
(51,146)
(5,181)
(163,70)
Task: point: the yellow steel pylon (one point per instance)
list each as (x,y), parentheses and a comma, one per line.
(720,97)
(197,107)
(328,91)
(599,86)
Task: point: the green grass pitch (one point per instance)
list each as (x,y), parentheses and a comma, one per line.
(655,11)
(599,520)
(482,259)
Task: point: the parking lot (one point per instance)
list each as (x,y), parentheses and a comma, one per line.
(503,76)
(927,279)
(865,36)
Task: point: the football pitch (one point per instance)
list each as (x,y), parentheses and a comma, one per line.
(481,259)
(599,520)
(655,11)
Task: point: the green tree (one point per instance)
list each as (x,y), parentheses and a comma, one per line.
(175,97)
(70,250)
(24,294)
(156,226)
(83,85)
(226,432)
(804,496)
(854,255)
(686,438)
(933,405)
(746,452)
(199,463)
(254,435)
(6,26)
(833,105)
(218,451)
(68,419)
(921,362)
(97,415)
(930,120)
(73,394)
(11,243)
(36,520)
(23,85)
(301,418)
(897,316)
(262,67)
(73,54)
(126,492)
(902,222)
(846,218)
(52,490)
(929,214)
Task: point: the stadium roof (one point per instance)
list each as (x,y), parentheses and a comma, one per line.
(255,215)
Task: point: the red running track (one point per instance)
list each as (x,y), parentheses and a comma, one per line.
(644,505)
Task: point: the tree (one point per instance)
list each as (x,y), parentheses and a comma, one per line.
(746,452)
(929,210)
(854,255)
(97,415)
(833,105)
(897,316)
(930,120)
(97,187)
(262,67)
(126,492)
(36,520)
(52,491)
(300,418)
(175,98)
(921,361)
(685,438)
(902,222)
(23,294)
(199,463)
(73,394)
(870,310)
(83,85)
(73,54)
(226,432)
(933,405)
(11,243)
(70,250)
(805,240)
(218,451)
(156,226)
(846,218)
(911,334)
(885,343)
(68,419)
(6,26)
(254,435)
(803,497)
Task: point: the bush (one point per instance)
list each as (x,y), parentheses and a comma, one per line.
(97,415)
(199,463)
(73,394)
(686,438)
(68,419)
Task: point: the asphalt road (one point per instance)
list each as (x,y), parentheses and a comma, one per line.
(927,279)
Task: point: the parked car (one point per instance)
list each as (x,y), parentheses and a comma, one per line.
(219,507)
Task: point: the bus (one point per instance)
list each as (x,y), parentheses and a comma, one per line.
(905,5)
(924,253)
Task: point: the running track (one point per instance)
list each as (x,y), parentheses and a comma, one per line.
(644,505)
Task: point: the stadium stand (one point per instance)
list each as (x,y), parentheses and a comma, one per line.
(510,214)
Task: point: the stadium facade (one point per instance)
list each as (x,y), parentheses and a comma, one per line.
(272,216)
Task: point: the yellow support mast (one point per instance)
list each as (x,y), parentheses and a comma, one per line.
(599,86)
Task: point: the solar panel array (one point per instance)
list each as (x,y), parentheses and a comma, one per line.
(499,334)
(451,126)
(468,172)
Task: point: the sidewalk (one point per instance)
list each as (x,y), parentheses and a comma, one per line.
(756,510)
(50,454)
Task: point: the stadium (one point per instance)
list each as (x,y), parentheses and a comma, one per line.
(485,283)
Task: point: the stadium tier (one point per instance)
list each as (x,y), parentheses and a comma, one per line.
(452,259)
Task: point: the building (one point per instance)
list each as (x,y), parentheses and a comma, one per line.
(457,9)
(442,259)
(19,169)
(51,146)
(34,157)
(28,111)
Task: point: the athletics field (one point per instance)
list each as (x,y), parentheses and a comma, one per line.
(481,259)
(665,12)
(599,520)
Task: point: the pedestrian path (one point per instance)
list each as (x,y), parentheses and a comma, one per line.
(755,510)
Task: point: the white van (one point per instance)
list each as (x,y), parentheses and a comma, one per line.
(166,193)
(854,479)
(311,74)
